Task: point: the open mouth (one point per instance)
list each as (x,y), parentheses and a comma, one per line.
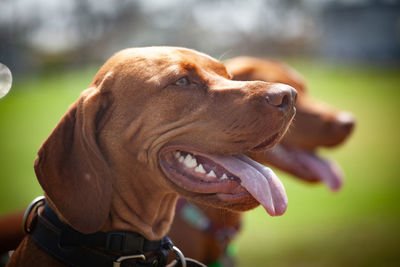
(230,177)
(306,165)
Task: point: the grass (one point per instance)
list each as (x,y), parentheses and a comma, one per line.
(358,226)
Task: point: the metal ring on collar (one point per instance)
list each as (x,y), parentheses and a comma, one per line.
(35,204)
(180,255)
(117,262)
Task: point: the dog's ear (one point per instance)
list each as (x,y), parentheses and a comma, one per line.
(71,168)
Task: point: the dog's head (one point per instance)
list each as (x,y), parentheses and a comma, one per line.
(316,124)
(164,120)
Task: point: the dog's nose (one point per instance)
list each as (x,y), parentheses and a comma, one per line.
(346,121)
(281,96)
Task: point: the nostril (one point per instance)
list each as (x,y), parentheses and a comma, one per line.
(348,126)
(285,102)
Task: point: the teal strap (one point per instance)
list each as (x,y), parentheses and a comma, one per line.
(195,217)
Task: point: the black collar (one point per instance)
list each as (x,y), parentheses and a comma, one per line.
(97,249)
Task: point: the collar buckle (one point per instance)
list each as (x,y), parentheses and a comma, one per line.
(180,255)
(34,206)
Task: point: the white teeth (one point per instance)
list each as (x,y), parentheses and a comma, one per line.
(211,174)
(200,169)
(190,161)
(177,154)
(224,176)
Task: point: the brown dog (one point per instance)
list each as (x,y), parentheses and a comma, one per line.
(157,122)
(315,125)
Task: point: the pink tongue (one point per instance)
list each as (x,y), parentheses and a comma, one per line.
(260,181)
(328,172)
(305,165)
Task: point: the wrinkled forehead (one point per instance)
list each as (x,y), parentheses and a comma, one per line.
(172,59)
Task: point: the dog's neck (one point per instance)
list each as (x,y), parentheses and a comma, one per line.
(152,223)
(140,204)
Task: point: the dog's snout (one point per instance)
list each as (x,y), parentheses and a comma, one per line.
(281,96)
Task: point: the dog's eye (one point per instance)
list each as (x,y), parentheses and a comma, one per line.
(182,82)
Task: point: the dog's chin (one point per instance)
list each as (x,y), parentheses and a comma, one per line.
(233,182)
(238,202)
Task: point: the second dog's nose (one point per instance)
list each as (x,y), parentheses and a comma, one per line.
(345,121)
(281,96)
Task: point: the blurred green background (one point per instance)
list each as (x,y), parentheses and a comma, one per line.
(348,51)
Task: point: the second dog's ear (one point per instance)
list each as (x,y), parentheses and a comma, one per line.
(71,167)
